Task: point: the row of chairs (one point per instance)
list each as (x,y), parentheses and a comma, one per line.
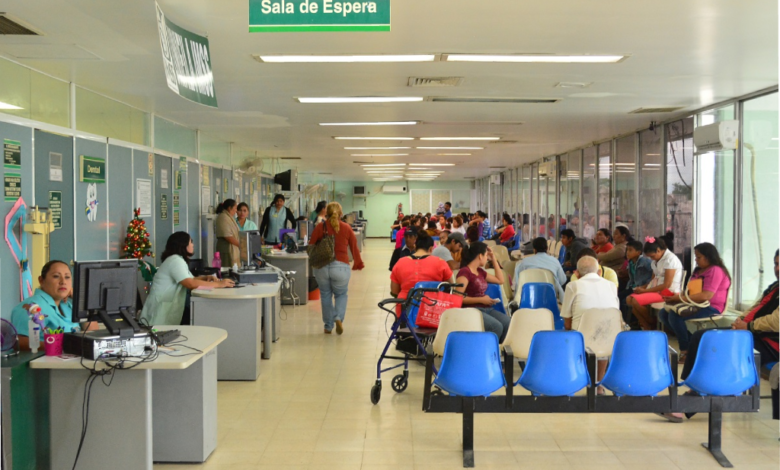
(559,365)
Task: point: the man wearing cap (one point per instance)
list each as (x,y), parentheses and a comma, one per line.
(450,249)
(410,238)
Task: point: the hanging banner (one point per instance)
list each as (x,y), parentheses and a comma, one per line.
(187,62)
(93,169)
(283,16)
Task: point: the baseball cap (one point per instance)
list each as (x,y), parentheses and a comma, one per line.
(410,232)
(458,237)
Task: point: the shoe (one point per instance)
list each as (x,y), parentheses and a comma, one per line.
(339,327)
(673,417)
(682,358)
(600,391)
(327,332)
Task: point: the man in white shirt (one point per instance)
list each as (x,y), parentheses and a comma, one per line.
(595,292)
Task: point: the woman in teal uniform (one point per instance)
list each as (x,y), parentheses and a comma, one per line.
(165,303)
(275,218)
(242,218)
(53,296)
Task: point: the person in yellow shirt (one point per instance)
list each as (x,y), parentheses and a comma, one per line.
(607,273)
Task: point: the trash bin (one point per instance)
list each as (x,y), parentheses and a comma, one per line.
(314,289)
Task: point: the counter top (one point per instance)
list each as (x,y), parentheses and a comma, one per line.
(203,338)
(299,255)
(249,291)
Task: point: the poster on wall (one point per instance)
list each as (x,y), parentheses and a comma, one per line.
(13,186)
(177,180)
(151,164)
(164,207)
(225,188)
(176,217)
(163,178)
(205,199)
(205,173)
(92,202)
(183,164)
(55,166)
(55,208)
(143,196)
(92,169)
(187,62)
(12,163)
(176,199)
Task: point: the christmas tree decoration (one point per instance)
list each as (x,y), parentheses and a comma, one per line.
(138,246)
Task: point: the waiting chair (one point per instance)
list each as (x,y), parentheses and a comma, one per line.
(640,364)
(509,272)
(456,319)
(532,275)
(393,234)
(557,364)
(494,292)
(525,323)
(725,365)
(491,243)
(562,254)
(471,365)
(541,295)
(502,254)
(600,327)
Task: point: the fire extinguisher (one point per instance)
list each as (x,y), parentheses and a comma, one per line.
(400,208)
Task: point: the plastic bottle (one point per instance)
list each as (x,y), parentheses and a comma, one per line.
(217,261)
(35,337)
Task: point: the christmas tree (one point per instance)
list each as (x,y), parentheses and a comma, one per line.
(138,246)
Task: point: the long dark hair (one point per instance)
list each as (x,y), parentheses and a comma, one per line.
(470,254)
(320,206)
(424,241)
(606,233)
(276,198)
(177,245)
(472,234)
(654,244)
(709,251)
(625,232)
(225,205)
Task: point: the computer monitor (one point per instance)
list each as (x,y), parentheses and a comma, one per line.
(195,265)
(105,291)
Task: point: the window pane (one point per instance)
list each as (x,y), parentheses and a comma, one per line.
(526,210)
(651,184)
(572,174)
(589,193)
(679,183)
(461,201)
(103,116)
(174,138)
(534,199)
(421,201)
(760,195)
(605,185)
(625,182)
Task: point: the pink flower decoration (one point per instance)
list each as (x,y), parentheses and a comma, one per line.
(650,239)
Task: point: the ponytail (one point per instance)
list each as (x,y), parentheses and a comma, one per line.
(470,254)
(334,215)
(226,204)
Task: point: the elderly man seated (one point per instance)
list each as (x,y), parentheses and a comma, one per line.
(541,260)
(590,291)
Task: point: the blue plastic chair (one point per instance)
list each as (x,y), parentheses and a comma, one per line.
(392,236)
(557,364)
(411,314)
(471,365)
(494,292)
(640,364)
(724,364)
(436,239)
(516,245)
(562,255)
(541,295)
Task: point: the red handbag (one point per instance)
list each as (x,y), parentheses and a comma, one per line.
(433,304)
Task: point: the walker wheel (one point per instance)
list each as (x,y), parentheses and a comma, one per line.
(399,383)
(376,393)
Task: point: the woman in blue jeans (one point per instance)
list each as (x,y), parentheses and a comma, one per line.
(475,282)
(715,283)
(333,279)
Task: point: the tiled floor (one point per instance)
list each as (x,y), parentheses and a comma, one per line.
(310,409)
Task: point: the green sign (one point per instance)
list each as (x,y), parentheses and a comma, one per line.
(183,164)
(13,186)
(55,208)
(282,16)
(176,217)
(176,199)
(93,169)
(177,179)
(164,207)
(187,62)
(12,155)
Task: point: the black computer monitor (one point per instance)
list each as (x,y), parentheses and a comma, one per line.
(284,180)
(195,265)
(105,291)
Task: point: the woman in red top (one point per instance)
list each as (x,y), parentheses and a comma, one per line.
(333,279)
(602,241)
(418,267)
(508,233)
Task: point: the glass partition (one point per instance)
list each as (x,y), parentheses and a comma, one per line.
(605,185)
(651,181)
(33,95)
(526,208)
(103,116)
(760,195)
(625,182)
(174,138)
(589,194)
(679,183)
(534,200)
(573,173)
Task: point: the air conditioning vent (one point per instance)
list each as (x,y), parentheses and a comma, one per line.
(10,27)
(449,99)
(435,81)
(660,109)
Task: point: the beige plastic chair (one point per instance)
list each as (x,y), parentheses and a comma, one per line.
(502,254)
(600,327)
(525,322)
(509,274)
(490,243)
(456,319)
(532,275)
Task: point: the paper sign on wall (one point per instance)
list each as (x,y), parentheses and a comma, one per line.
(176,199)
(55,166)
(12,162)
(164,207)
(176,217)
(183,164)
(143,196)
(151,164)
(225,190)
(205,173)
(205,199)
(13,186)
(177,180)
(55,208)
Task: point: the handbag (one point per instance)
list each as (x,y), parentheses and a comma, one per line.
(323,252)
(687,307)
(433,305)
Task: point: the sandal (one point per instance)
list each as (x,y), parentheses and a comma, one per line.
(683,356)
(671,417)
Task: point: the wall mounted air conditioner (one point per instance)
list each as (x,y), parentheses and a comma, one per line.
(495,179)
(722,135)
(393,189)
(359,191)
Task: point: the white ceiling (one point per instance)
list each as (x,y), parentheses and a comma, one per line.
(682,53)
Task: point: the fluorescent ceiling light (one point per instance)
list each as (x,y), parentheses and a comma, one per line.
(419,179)
(450,148)
(8,106)
(387,123)
(377,148)
(535,58)
(359,99)
(452,154)
(308,59)
(379,154)
(382,164)
(460,138)
(374,138)
(431,164)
